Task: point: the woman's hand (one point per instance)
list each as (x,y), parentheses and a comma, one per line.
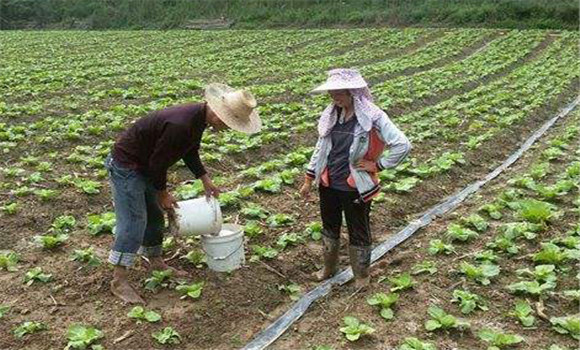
(211,190)
(166,201)
(367,165)
(305,189)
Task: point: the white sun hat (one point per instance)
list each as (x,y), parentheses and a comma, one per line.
(236,108)
(342,78)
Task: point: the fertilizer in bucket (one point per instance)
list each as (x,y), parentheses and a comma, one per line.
(225,251)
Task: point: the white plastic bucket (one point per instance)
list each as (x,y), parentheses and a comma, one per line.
(199,216)
(225,252)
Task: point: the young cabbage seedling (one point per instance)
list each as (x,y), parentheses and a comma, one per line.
(354,329)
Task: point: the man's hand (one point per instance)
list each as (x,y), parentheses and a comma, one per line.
(367,165)
(305,189)
(166,201)
(211,190)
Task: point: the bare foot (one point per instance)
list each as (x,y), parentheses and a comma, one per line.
(160,264)
(124,291)
(322,274)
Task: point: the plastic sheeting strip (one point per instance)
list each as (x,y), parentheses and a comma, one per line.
(278,327)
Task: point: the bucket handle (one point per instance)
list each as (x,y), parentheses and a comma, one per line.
(215,207)
(226,256)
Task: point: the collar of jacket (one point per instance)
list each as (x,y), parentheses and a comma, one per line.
(329,116)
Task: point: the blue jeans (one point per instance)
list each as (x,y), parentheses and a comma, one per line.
(139,218)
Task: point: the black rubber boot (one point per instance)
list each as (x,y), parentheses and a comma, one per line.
(360,261)
(331,248)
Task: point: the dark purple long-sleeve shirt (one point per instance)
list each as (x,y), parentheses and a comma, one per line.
(156,142)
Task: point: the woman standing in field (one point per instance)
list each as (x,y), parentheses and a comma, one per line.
(353,133)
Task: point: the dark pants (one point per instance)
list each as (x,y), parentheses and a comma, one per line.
(333,203)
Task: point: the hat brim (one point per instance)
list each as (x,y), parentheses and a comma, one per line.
(214,96)
(329,86)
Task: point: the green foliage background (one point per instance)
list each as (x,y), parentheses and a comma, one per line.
(166,14)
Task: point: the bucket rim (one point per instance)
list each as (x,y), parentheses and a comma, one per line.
(237,231)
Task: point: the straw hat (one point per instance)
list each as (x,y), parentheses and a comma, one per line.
(342,78)
(236,108)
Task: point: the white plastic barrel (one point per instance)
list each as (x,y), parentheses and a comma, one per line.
(199,216)
(225,252)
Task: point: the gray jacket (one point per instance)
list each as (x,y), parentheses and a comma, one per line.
(372,134)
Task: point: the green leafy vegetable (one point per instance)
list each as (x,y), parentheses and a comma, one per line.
(269,185)
(401,282)
(468,301)
(531,287)
(36,274)
(513,230)
(10,208)
(8,261)
(482,273)
(505,243)
(493,210)
(404,185)
(567,325)
(498,340)
(190,290)
(384,302)
(46,195)
(188,191)
(523,312)
(51,241)
(101,223)
(167,336)
(254,211)
(4,310)
(87,186)
(230,199)
(542,273)
(64,224)
(486,256)
(197,258)
(158,279)
(460,233)
(80,337)
(86,256)
(551,254)
(28,327)
(252,229)
(442,320)
(437,246)
(141,314)
(536,211)
(354,329)
(263,252)
(292,289)
(289,239)
(314,229)
(416,344)
(476,222)
(424,267)
(280,220)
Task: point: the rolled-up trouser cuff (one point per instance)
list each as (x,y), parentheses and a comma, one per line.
(121,259)
(151,252)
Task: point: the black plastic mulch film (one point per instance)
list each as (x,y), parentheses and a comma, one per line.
(278,327)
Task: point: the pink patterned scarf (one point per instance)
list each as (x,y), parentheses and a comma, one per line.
(364,108)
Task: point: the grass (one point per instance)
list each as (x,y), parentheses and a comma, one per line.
(149,14)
